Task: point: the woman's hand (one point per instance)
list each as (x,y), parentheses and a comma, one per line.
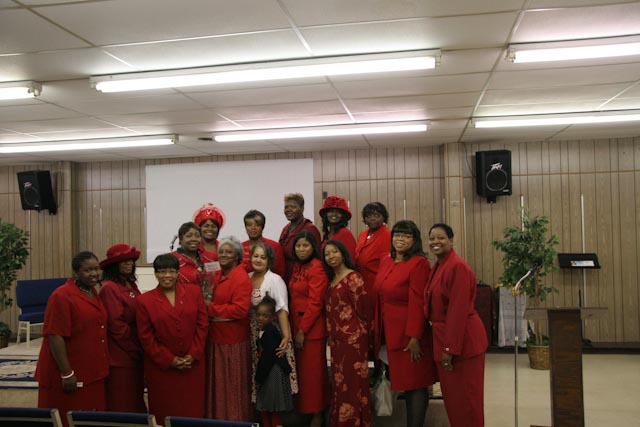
(177,362)
(447,362)
(282,348)
(414,348)
(299,340)
(188,361)
(70,384)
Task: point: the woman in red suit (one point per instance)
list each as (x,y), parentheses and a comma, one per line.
(125,383)
(193,270)
(74,357)
(293,210)
(348,332)
(229,379)
(335,216)
(254,222)
(307,288)
(210,219)
(459,337)
(374,244)
(172,326)
(400,288)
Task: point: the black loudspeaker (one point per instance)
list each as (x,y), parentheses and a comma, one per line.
(36,192)
(493,174)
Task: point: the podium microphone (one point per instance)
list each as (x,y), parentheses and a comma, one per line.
(173,241)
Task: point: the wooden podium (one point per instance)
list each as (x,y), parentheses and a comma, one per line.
(565,350)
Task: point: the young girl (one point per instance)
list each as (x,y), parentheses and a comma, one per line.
(272,372)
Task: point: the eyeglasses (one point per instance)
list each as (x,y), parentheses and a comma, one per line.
(404,236)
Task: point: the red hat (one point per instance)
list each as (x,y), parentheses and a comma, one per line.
(335,202)
(120,252)
(209,211)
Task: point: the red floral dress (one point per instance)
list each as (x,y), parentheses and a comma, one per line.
(347,330)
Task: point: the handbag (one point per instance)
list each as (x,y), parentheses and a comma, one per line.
(383,396)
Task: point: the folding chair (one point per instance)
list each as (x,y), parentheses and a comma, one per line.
(109,419)
(204,422)
(29,417)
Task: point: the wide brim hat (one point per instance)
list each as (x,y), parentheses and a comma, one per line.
(335,202)
(120,252)
(209,211)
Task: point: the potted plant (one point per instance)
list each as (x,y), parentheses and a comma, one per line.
(13,256)
(522,247)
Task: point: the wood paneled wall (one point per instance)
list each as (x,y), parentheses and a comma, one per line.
(105,203)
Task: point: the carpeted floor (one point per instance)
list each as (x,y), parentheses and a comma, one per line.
(17,372)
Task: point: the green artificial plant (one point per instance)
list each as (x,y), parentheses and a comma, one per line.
(522,247)
(13,255)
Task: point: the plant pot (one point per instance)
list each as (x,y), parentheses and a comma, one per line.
(4,342)
(538,356)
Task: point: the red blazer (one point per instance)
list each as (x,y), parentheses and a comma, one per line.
(119,301)
(167,331)
(345,237)
(400,291)
(82,321)
(278,266)
(449,305)
(206,256)
(307,289)
(287,237)
(369,252)
(231,300)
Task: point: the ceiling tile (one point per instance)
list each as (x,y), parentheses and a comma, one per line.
(623,104)
(232,49)
(574,76)
(57,125)
(543,95)
(134,104)
(124,21)
(59,65)
(578,23)
(162,118)
(412,102)
(341,11)
(289,122)
(265,96)
(23,31)
(34,112)
(86,134)
(411,86)
(282,110)
(548,108)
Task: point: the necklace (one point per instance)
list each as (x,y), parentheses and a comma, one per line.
(85,290)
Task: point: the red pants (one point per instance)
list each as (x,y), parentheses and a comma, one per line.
(463,391)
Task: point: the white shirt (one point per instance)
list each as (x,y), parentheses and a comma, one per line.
(275,286)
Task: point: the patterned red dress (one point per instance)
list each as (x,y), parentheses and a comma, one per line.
(346,311)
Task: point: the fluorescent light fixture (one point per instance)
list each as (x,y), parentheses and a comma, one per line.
(19,90)
(263,71)
(557,119)
(581,49)
(89,144)
(323,131)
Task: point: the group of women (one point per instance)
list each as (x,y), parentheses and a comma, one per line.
(234,326)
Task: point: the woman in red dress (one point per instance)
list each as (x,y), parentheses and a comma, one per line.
(229,382)
(172,326)
(307,288)
(347,329)
(74,357)
(125,383)
(459,337)
(254,222)
(399,288)
(293,210)
(210,219)
(335,216)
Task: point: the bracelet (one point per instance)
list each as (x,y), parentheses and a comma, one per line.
(68,375)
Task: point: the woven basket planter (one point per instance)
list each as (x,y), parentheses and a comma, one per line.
(538,356)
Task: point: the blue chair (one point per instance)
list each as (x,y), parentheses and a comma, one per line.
(29,417)
(32,297)
(109,419)
(204,422)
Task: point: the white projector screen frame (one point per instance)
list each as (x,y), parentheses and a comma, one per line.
(174,192)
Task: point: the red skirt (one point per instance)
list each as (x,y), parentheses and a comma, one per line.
(406,374)
(90,397)
(231,382)
(313,380)
(125,389)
